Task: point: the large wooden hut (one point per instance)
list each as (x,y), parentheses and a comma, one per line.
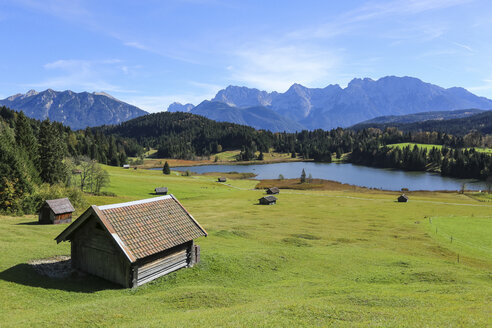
(268,200)
(161,191)
(133,243)
(273,191)
(55,211)
(403,198)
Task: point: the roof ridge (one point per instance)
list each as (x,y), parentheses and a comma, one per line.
(136,202)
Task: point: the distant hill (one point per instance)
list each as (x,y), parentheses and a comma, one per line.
(481,122)
(420,117)
(259,117)
(333,106)
(77,110)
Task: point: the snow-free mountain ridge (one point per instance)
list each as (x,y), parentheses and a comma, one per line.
(77,110)
(362,99)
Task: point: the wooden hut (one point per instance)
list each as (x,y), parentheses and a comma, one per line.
(55,211)
(268,200)
(221,179)
(403,198)
(273,191)
(161,191)
(133,243)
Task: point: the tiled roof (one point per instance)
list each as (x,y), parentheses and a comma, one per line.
(60,206)
(152,225)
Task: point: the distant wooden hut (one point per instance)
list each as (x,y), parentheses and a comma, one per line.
(273,191)
(403,198)
(55,211)
(268,200)
(133,243)
(126,166)
(161,191)
(221,179)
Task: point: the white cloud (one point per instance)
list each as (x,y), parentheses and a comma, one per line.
(80,75)
(276,68)
(352,20)
(464,46)
(138,45)
(485,86)
(161,102)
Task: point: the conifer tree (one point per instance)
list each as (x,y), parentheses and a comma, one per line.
(303,176)
(52,151)
(166,169)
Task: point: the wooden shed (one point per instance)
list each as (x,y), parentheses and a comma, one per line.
(161,191)
(55,211)
(273,191)
(221,179)
(268,200)
(403,198)
(133,243)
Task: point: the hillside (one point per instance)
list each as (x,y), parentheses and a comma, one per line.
(420,117)
(341,258)
(333,106)
(259,117)
(481,122)
(76,110)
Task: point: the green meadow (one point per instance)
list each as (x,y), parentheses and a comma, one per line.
(429,147)
(317,258)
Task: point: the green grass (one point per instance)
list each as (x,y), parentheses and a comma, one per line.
(429,147)
(317,258)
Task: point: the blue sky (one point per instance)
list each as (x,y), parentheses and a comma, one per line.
(151,53)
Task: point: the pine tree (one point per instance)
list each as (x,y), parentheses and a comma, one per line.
(51,154)
(303,176)
(24,137)
(166,169)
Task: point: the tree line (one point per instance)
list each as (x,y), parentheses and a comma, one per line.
(37,154)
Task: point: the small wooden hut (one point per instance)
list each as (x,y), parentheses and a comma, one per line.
(403,198)
(273,191)
(268,200)
(55,211)
(161,191)
(133,243)
(222,179)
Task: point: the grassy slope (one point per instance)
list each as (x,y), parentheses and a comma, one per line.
(225,157)
(317,258)
(429,147)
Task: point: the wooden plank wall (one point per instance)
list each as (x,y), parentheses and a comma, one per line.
(94,252)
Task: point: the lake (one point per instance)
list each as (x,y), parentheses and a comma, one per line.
(363,176)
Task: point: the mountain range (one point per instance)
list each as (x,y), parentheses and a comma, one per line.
(296,109)
(333,106)
(77,110)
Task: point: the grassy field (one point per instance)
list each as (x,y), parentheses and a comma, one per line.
(318,258)
(225,157)
(429,147)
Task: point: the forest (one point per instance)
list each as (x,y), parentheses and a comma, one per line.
(36,153)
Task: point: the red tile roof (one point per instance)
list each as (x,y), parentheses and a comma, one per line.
(146,227)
